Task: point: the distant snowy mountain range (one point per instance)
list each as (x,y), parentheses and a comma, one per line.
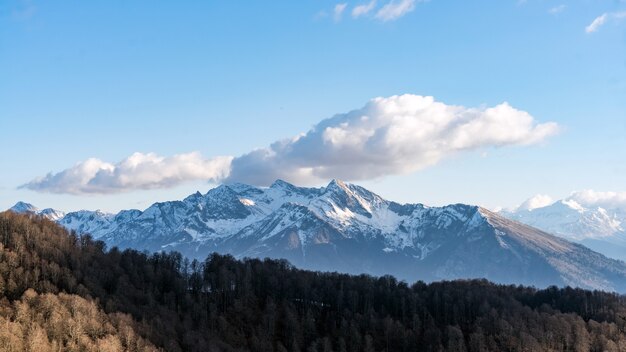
(601,227)
(344,227)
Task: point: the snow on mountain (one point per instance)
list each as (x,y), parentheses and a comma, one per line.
(52,214)
(96,223)
(23,207)
(344,227)
(49,213)
(600,228)
(570,220)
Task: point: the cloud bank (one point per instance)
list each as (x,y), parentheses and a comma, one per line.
(607,200)
(394,135)
(538,201)
(387,136)
(138,171)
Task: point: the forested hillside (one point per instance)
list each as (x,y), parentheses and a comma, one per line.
(62,291)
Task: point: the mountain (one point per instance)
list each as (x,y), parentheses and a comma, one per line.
(87,221)
(23,207)
(602,229)
(344,227)
(27,208)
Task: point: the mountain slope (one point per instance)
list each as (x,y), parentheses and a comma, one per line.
(344,227)
(575,264)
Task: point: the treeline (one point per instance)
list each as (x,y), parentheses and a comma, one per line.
(69,293)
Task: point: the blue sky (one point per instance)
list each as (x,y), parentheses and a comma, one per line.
(106,79)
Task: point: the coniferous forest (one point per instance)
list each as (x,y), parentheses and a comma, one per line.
(60,291)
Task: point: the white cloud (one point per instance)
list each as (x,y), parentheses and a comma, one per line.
(557,9)
(538,201)
(596,23)
(364,9)
(591,198)
(393,135)
(138,171)
(338,11)
(395,9)
(603,19)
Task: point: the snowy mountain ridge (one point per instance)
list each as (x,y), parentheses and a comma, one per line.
(344,227)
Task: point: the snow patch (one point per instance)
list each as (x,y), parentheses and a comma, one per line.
(247,202)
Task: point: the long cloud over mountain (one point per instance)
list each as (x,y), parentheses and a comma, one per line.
(138,171)
(394,135)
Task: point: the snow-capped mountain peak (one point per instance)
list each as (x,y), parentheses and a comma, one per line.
(570,219)
(193,198)
(282,184)
(601,228)
(52,214)
(23,207)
